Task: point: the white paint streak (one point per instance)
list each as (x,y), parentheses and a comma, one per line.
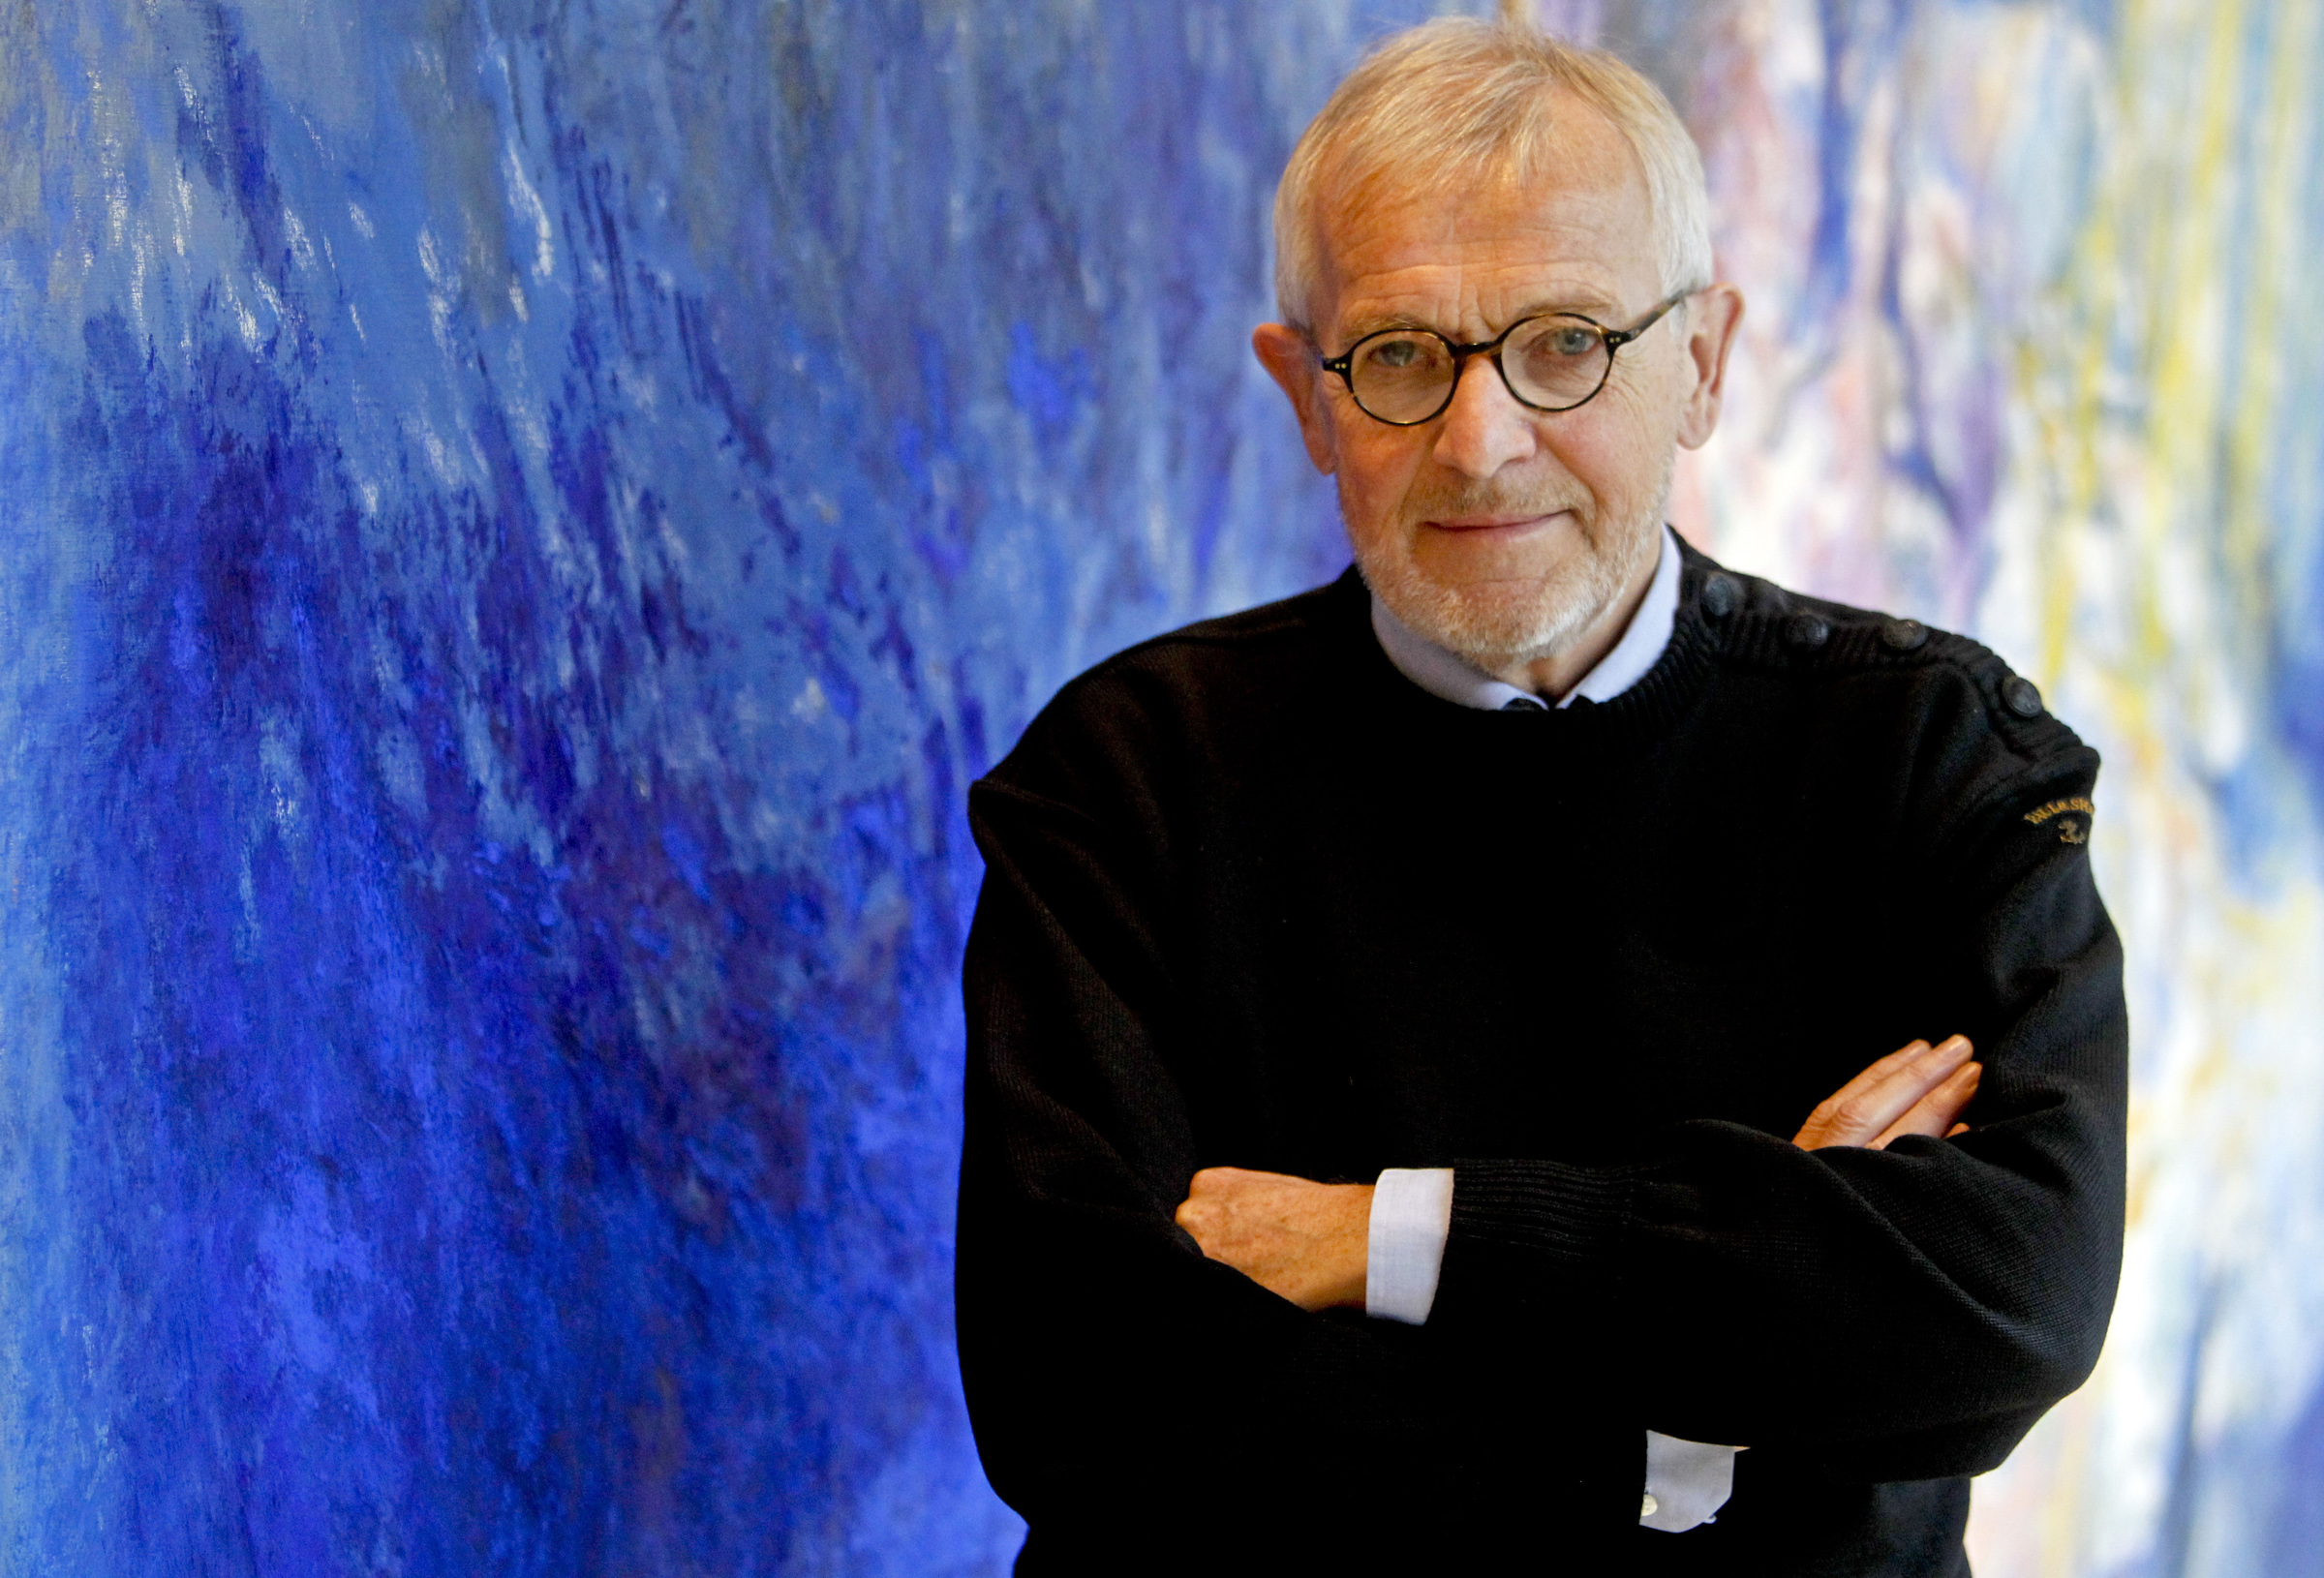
(528,203)
(302,250)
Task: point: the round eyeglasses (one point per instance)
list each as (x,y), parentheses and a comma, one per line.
(1552,362)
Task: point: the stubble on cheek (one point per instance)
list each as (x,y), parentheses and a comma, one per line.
(1495,598)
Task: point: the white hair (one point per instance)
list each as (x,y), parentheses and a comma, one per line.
(1459,97)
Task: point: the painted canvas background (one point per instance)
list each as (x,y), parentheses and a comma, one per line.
(519,520)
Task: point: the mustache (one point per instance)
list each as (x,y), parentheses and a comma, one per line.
(1428,502)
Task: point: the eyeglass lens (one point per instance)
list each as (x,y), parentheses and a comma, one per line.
(1549,362)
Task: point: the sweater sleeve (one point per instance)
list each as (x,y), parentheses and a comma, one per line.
(1903,1313)
(1115,1377)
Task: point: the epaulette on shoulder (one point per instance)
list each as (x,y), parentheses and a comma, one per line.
(1759,625)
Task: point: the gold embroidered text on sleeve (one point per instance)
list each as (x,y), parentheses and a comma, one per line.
(2072,829)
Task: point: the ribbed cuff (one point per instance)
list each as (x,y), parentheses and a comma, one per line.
(1544,1210)
(1537,1245)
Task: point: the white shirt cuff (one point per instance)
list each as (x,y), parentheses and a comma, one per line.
(1687,1482)
(1412,1212)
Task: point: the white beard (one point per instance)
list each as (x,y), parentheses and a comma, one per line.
(1506,625)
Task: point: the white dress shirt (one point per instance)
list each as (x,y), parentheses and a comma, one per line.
(1687,1482)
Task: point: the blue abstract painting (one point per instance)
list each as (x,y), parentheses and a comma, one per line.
(519,521)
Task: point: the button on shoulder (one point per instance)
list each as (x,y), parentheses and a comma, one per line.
(1722,596)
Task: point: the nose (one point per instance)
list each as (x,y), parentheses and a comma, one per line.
(1484,428)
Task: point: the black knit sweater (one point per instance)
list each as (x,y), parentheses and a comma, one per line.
(1253,898)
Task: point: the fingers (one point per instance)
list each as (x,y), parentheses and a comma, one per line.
(1210,1194)
(1879,1072)
(1303,1240)
(1828,1124)
(1861,1111)
(1233,1180)
(1936,1113)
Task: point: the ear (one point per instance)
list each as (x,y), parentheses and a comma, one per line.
(1286,355)
(1712,320)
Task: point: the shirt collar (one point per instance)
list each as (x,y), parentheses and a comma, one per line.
(1455,680)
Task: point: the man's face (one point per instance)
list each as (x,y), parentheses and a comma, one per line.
(1503,532)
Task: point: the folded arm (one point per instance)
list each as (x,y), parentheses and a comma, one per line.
(1105,1356)
(1753,1282)
(1310,1242)
(1738,1277)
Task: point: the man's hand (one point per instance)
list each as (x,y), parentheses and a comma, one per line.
(1917,1089)
(1307,1241)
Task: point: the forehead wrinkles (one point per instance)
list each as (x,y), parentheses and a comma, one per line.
(1488,286)
(1434,276)
(1584,184)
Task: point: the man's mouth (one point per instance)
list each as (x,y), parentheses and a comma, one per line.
(1500,521)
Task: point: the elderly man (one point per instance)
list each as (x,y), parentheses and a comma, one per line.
(1394,1011)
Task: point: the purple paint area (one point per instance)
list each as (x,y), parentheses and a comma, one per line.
(2296,1539)
(518,523)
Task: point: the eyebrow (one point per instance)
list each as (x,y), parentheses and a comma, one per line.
(1357,329)
(1585,304)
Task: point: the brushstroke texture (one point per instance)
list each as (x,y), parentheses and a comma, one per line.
(518,522)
